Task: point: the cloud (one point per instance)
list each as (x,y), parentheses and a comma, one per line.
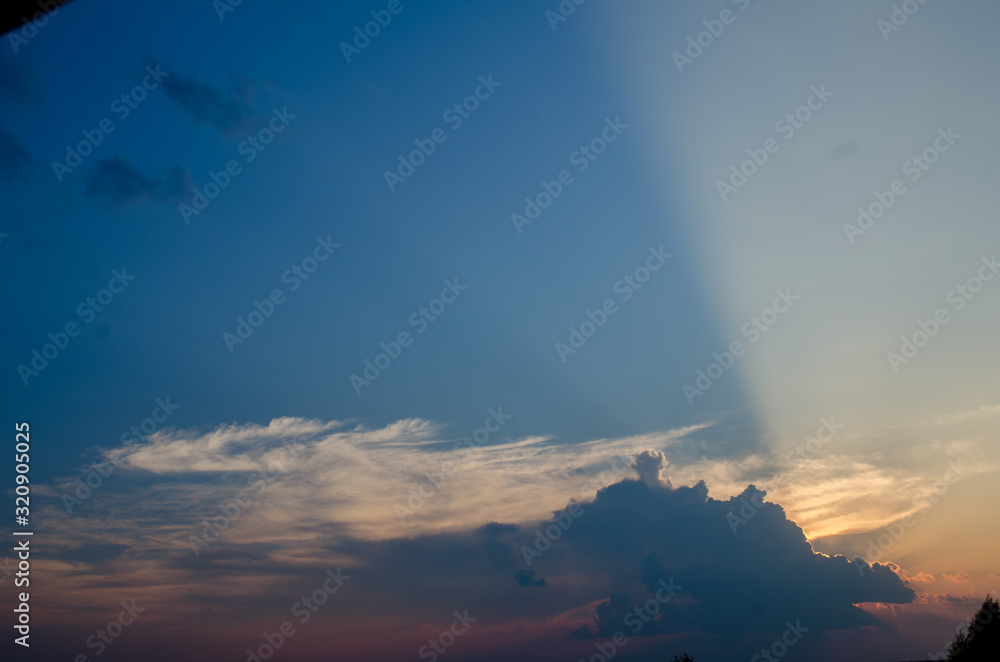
(117,183)
(649,464)
(920,577)
(766,574)
(527,578)
(12,155)
(441,483)
(229,447)
(327,500)
(844,489)
(228,113)
(951,419)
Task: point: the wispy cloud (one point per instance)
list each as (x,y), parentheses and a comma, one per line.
(226,112)
(117,183)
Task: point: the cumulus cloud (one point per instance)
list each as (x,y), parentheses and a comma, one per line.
(117,183)
(761,576)
(649,465)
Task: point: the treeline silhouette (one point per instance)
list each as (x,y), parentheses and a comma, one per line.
(980,642)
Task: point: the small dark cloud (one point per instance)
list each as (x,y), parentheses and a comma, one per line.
(116,182)
(527,578)
(227,112)
(13,157)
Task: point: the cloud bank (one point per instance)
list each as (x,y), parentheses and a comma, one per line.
(557,542)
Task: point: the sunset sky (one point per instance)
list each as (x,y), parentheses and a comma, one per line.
(511,312)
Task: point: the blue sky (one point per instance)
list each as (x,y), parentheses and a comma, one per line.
(772,255)
(324,177)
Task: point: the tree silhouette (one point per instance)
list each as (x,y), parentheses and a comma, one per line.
(686,658)
(981,641)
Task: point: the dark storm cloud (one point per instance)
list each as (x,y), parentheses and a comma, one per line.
(116,182)
(228,113)
(615,553)
(763,575)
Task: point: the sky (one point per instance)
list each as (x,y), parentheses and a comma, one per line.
(534,314)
